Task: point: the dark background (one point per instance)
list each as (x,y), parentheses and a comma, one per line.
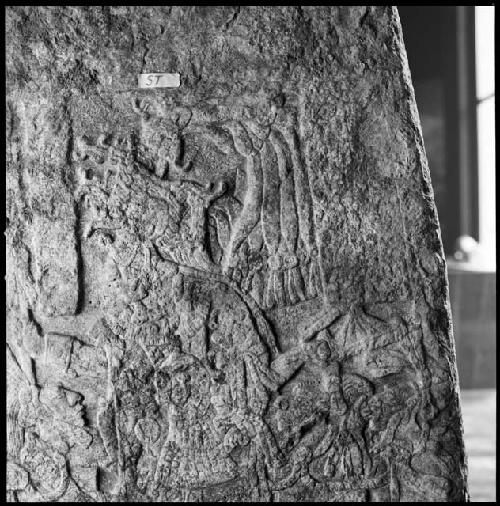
(440,43)
(437,39)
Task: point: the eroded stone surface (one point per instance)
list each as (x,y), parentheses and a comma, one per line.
(230,290)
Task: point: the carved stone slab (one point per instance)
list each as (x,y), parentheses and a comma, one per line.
(232,289)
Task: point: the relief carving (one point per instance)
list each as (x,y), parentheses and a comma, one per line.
(202,354)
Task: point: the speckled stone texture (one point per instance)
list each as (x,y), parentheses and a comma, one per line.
(233,290)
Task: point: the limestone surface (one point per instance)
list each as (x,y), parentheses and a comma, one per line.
(233,289)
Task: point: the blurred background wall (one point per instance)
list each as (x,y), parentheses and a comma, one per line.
(452,68)
(451,56)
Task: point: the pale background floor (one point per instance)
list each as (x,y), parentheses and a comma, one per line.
(479,416)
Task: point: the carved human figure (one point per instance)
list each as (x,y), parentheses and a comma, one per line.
(330,373)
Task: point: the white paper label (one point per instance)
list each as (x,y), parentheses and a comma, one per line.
(159,80)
